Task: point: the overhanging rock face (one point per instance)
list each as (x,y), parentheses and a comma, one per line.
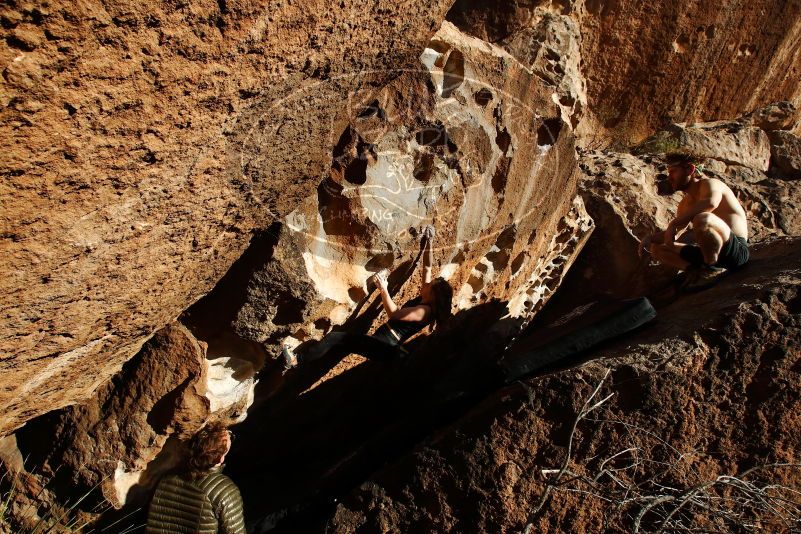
(644,63)
(471,141)
(144,143)
(108,445)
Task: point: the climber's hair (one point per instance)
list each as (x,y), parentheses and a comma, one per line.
(676,159)
(206,448)
(443,300)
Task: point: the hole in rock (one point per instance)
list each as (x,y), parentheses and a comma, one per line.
(423,167)
(351,157)
(548,132)
(499,259)
(503,139)
(476,282)
(483,96)
(500,175)
(517,263)
(507,238)
(323,324)
(563,238)
(356,172)
(290,310)
(356,294)
(373,109)
(345,143)
(380,261)
(14,42)
(440,46)
(454,73)
(567,101)
(680,44)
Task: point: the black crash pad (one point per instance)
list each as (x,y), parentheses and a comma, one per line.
(578,331)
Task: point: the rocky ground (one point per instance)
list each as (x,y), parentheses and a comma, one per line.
(189,185)
(695,396)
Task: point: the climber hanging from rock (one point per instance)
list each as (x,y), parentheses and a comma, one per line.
(433,306)
(718,221)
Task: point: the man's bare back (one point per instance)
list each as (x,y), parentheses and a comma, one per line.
(728,210)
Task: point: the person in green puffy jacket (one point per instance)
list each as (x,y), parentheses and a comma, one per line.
(200,499)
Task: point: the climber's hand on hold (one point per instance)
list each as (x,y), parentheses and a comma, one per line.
(429,232)
(380,279)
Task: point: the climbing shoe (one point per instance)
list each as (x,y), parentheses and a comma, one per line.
(290,360)
(701,278)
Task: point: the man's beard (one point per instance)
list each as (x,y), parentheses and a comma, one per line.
(680,188)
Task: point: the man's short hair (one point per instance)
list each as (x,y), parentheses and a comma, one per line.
(206,448)
(683,160)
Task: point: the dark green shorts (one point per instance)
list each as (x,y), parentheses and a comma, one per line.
(734,253)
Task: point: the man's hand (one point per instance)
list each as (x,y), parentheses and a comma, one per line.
(429,232)
(380,279)
(645,245)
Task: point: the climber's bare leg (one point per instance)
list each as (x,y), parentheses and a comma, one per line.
(711,232)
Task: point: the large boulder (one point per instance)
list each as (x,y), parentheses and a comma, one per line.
(473,142)
(730,142)
(121,441)
(144,144)
(785,155)
(622,195)
(775,116)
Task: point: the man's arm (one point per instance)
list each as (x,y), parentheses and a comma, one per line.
(389,305)
(710,198)
(428,253)
(657,238)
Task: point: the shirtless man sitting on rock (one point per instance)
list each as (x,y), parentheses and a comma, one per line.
(719,226)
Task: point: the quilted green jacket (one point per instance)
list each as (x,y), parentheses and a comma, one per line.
(209,505)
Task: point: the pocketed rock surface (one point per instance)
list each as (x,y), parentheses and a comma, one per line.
(245,167)
(473,144)
(684,61)
(143,144)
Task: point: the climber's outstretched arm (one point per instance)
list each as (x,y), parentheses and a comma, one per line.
(428,253)
(380,280)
